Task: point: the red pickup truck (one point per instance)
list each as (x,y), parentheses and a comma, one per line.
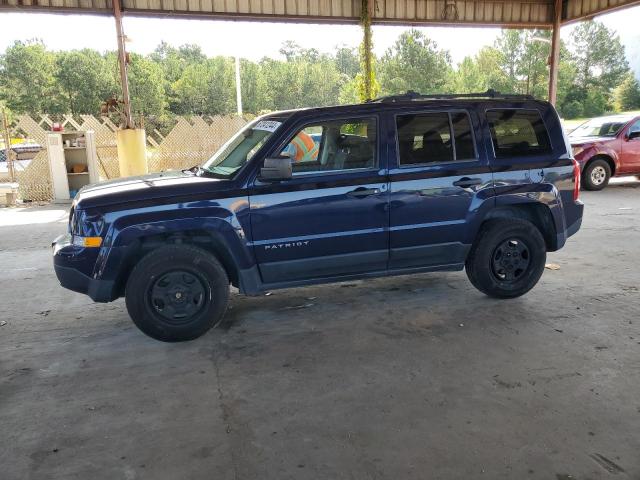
(607,147)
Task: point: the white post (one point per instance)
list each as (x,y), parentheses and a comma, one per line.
(238,87)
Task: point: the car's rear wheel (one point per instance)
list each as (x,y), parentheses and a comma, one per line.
(177,293)
(507,259)
(596,175)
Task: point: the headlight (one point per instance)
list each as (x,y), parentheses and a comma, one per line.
(87,229)
(87,242)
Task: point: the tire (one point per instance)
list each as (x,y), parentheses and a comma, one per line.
(507,259)
(177,293)
(596,175)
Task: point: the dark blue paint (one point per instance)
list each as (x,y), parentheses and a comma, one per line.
(310,229)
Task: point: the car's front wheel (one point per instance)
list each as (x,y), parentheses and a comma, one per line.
(177,293)
(596,175)
(507,259)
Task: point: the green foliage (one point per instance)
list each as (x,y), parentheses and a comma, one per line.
(368,87)
(146,86)
(599,56)
(27,75)
(347,61)
(595,103)
(593,75)
(627,95)
(573,109)
(415,62)
(84,80)
(298,83)
(206,88)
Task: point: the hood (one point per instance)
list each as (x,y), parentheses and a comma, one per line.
(579,141)
(147,187)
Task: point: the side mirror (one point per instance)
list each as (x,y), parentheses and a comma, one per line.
(276,168)
(634,134)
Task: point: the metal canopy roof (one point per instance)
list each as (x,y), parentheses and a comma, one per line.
(509,13)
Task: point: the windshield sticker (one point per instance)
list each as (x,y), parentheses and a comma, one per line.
(267,125)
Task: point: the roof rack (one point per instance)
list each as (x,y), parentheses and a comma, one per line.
(411,95)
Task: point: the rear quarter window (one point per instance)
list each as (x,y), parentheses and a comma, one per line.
(517,132)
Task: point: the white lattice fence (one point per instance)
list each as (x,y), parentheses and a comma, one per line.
(191,141)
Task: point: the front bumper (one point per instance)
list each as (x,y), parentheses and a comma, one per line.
(74,268)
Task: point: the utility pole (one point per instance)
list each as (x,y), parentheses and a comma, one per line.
(122,61)
(238,87)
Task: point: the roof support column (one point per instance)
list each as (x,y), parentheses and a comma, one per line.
(366,48)
(554,59)
(122,61)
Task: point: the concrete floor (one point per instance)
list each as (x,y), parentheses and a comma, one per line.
(417,377)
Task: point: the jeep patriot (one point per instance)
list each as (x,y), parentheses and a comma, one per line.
(399,185)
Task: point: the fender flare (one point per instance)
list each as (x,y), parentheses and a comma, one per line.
(228,240)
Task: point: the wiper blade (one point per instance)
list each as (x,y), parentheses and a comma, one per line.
(198,171)
(194,170)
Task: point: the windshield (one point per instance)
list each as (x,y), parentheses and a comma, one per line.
(600,127)
(234,154)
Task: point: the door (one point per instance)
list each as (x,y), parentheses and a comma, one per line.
(57,167)
(436,175)
(630,154)
(330,219)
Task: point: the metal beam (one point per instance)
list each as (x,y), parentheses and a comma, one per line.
(122,61)
(554,59)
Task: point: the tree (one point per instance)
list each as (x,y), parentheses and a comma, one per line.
(414,62)
(84,80)
(173,62)
(206,88)
(346,60)
(533,69)
(252,95)
(482,72)
(599,56)
(627,95)
(510,49)
(27,73)
(299,83)
(146,85)
(468,77)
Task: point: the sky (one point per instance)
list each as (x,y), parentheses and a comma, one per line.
(254,40)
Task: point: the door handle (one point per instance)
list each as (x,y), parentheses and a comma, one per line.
(466,182)
(362,192)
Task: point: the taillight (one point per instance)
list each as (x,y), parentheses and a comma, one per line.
(576,180)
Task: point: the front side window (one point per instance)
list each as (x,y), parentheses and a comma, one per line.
(434,138)
(333,145)
(240,148)
(518,132)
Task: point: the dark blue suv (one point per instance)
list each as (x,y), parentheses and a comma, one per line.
(399,185)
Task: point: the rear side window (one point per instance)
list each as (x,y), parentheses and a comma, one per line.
(434,138)
(518,132)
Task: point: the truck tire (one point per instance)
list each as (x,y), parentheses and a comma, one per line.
(596,175)
(507,259)
(177,293)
